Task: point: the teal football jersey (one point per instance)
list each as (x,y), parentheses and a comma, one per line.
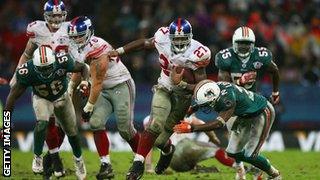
(48,88)
(247,103)
(227,60)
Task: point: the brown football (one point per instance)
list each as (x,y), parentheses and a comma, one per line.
(188,75)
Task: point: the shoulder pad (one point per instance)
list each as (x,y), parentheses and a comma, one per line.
(162,35)
(98,46)
(33,28)
(263,54)
(223,59)
(201,54)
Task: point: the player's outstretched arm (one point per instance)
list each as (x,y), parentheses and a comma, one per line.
(133,46)
(28,52)
(274,72)
(15,92)
(223,117)
(211,134)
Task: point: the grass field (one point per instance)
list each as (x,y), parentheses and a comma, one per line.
(293,164)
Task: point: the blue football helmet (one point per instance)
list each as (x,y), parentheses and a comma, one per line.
(180,34)
(54,13)
(80,31)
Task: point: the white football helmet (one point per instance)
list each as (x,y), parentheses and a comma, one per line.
(43,61)
(243,41)
(206,93)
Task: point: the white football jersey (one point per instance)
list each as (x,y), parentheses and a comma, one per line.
(197,55)
(116,73)
(39,33)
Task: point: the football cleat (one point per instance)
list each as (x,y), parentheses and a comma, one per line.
(81,171)
(105,172)
(240,171)
(47,166)
(37,166)
(136,171)
(274,174)
(57,165)
(256,172)
(164,161)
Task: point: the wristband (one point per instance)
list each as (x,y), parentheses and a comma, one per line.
(120,50)
(275,93)
(89,107)
(182,85)
(220,119)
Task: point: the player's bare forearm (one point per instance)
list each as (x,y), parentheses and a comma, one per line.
(139,44)
(27,54)
(224,76)
(15,92)
(274,71)
(98,70)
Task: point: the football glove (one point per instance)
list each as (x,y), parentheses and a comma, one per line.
(247,77)
(183,127)
(84,88)
(87,112)
(275,98)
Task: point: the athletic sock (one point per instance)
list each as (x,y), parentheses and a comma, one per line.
(75,144)
(223,158)
(39,136)
(52,137)
(134,142)
(102,142)
(146,143)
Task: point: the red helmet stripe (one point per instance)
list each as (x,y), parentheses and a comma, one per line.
(73,22)
(179,24)
(56,2)
(43,54)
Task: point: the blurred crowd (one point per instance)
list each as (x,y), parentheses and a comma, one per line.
(290,29)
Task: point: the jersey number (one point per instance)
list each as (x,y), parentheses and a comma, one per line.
(225,53)
(62,57)
(200,51)
(262,52)
(23,69)
(55,86)
(164,64)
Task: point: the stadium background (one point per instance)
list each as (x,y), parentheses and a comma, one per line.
(290,29)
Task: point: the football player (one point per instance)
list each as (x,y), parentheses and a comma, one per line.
(171,100)
(112,90)
(243,64)
(51,33)
(255,116)
(46,73)
(189,152)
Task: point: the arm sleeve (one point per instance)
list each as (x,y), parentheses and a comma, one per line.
(220,63)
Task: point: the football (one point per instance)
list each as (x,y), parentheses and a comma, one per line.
(188,75)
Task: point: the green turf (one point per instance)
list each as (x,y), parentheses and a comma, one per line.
(293,164)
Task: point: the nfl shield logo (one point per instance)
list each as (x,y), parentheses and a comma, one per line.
(257,65)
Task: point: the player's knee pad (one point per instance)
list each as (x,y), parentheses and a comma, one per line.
(96,124)
(155,127)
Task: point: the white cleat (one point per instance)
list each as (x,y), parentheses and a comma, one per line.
(81,171)
(240,171)
(37,166)
(274,174)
